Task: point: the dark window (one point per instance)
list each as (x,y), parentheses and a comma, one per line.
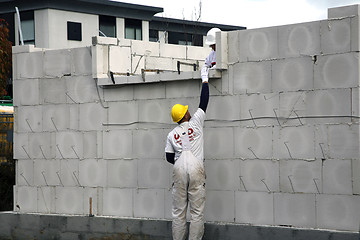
(27,27)
(153,35)
(74,31)
(182,38)
(107,26)
(133,29)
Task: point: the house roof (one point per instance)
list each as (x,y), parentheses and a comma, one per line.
(99,7)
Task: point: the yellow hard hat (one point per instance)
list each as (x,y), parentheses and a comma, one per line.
(178,112)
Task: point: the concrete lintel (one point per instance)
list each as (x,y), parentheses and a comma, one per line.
(104,80)
(25,49)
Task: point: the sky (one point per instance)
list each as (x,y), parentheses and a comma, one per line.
(248,13)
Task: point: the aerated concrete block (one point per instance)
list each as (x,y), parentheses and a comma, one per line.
(46,200)
(344,141)
(122,173)
(26,199)
(53,90)
(293,74)
(356,176)
(69,172)
(297,210)
(69,200)
(335,36)
(21,146)
(24,173)
(220,206)
(197,53)
(57,63)
(222,174)
(298,176)
(345,11)
(292,108)
(222,50)
(338,212)
(218,143)
(118,202)
(145,49)
(123,93)
(337,71)
(355,102)
(337,177)
(254,208)
(233,43)
(253,143)
(327,103)
(149,91)
(297,40)
(149,143)
(321,142)
(28,65)
(288,139)
(92,116)
(154,111)
(137,64)
(259,109)
(259,175)
(172,50)
(149,203)
(28,119)
(123,112)
(82,89)
(46,172)
(92,173)
(154,173)
(252,77)
(100,60)
(258,44)
(69,145)
(182,89)
(223,108)
(56,117)
(119,59)
(157,63)
(90,144)
(26,92)
(42,145)
(82,61)
(117,144)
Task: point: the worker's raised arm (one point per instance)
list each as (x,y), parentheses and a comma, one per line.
(204,97)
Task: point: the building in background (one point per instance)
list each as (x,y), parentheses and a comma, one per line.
(68,24)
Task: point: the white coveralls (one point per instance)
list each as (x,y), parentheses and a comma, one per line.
(186,141)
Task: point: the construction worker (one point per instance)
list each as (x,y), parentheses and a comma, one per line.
(210,61)
(185,149)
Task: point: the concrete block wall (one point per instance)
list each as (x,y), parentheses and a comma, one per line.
(281,136)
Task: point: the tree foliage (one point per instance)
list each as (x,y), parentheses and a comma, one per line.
(5,56)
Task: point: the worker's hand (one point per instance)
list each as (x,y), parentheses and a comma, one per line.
(205,73)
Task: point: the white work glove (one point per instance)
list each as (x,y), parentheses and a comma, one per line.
(205,73)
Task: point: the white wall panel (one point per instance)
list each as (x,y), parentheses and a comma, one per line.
(220,206)
(29,119)
(154,111)
(296,210)
(344,141)
(122,173)
(335,35)
(69,145)
(53,90)
(123,112)
(254,207)
(218,143)
(252,77)
(259,175)
(28,65)
(26,199)
(92,173)
(154,173)
(338,212)
(118,202)
(92,117)
(69,172)
(149,203)
(117,144)
(46,172)
(337,177)
(81,58)
(57,63)
(222,174)
(21,146)
(223,108)
(42,145)
(70,200)
(24,173)
(81,89)
(46,200)
(26,92)
(56,117)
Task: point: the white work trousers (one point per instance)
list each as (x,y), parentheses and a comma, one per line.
(188,188)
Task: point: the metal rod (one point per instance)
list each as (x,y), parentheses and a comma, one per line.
(276,116)
(27,121)
(70,97)
(75,152)
(322,150)
(292,186)
(52,119)
(76,178)
(288,150)
(298,118)
(44,178)
(253,152)
(19,24)
(21,174)
(25,151)
(42,151)
(57,146)
(44,199)
(241,181)
(59,179)
(263,181)
(252,117)
(90,203)
(317,188)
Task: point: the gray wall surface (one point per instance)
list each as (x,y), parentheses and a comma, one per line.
(281,136)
